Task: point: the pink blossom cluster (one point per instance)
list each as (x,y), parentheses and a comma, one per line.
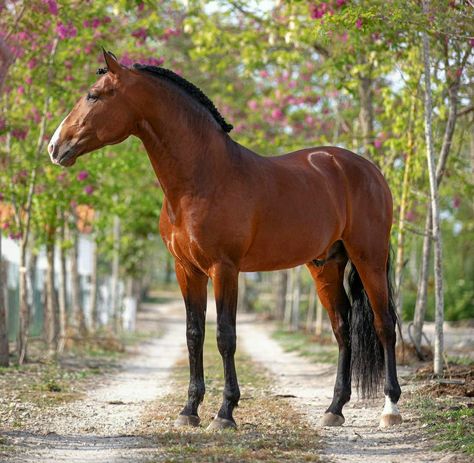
(19,134)
(88,190)
(96,22)
(66,31)
(140,34)
(52,6)
(320,9)
(82,175)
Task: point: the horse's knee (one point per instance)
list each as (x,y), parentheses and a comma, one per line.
(195,336)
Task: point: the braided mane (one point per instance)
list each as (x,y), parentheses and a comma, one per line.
(187,86)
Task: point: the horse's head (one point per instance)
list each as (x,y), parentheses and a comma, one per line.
(102,117)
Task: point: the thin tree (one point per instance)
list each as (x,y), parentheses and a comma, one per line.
(4,353)
(453,92)
(434,199)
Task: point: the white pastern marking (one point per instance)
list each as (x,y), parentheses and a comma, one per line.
(390,408)
(55,137)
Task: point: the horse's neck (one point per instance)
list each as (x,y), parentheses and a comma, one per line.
(186,163)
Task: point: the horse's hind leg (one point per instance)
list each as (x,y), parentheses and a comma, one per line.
(329,280)
(372,268)
(193,286)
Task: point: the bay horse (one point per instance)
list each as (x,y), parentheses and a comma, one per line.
(229,210)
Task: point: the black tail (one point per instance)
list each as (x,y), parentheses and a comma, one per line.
(367,356)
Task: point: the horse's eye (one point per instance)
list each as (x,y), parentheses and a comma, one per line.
(92,97)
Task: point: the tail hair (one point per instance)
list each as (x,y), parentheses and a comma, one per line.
(367,355)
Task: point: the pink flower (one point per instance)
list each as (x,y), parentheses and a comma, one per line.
(340,2)
(253,105)
(28,80)
(106,19)
(358,23)
(141,6)
(66,31)
(344,36)
(264,74)
(277,114)
(156,61)
(73,204)
(378,143)
(86,23)
(52,6)
(82,175)
(95,23)
(88,190)
(141,34)
(5,225)
(309,120)
(456,202)
(410,216)
(32,63)
(126,60)
(19,134)
(21,90)
(471,42)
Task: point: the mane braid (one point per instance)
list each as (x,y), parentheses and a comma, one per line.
(189,88)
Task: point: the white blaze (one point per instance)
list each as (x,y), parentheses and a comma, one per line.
(55,138)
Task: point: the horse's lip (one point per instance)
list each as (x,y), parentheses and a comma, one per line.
(68,156)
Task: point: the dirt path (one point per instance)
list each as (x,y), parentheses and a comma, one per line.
(101,426)
(311,385)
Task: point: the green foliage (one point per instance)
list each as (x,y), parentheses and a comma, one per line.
(287,75)
(451,423)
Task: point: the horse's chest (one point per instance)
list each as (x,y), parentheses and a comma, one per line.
(185,244)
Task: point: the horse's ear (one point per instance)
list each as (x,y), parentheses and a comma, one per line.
(112,64)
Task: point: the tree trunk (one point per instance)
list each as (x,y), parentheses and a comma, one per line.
(78,321)
(24,309)
(295,306)
(281,283)
(290,282)
(318,330)
(94,287)
(4,352)
(50,319)
(311,308)
(436,231)
(62,295)
(399,263)
(242,301)
(422,293)
(115,274)
(453,90)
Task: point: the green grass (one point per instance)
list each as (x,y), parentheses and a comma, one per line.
(269,429)
(304,344)
(448,421)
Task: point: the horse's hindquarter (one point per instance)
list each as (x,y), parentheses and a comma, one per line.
(300,212)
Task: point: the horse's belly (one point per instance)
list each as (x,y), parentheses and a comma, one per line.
(285,246)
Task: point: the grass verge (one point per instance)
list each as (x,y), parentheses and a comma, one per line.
(448,420)
(305,345)
(269,428)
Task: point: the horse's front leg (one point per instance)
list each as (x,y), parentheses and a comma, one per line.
(225,281)
(193,284)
